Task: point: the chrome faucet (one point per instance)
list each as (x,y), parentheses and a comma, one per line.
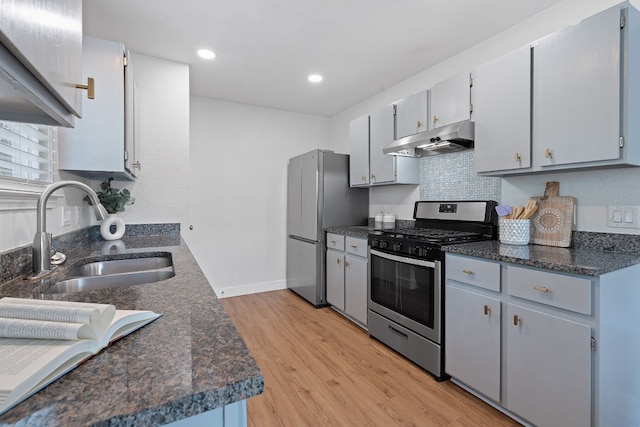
(42,239)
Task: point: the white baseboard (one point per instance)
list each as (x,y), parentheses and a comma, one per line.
(253,288)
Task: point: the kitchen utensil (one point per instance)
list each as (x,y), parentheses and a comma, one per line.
(517,212)
(530,209)
(503,210)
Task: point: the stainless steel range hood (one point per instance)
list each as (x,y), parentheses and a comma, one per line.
(446,139)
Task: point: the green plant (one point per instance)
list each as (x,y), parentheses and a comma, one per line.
(111,198)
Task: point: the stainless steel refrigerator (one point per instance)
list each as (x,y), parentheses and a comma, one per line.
(318,196)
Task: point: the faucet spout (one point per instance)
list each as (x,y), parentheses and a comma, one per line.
(42,240)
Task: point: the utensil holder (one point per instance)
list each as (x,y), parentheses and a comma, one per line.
(514,231)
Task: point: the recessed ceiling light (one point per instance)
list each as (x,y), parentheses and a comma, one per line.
(315,78)
(206,54)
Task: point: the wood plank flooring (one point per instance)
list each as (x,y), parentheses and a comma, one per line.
(322,370)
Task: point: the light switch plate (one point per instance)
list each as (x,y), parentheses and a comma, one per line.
(623,216)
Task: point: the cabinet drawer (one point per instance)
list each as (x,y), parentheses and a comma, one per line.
(567,292)
(335,241)
(476,272)
(357,246)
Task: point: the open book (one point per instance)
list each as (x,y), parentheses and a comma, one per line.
(42,340)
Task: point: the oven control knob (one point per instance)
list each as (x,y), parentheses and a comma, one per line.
(422,252)
(375,243)
(397,246)
(415,250)
(384,244)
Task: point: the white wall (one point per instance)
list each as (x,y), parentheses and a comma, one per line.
(161,191)
(238,172)
(614,187)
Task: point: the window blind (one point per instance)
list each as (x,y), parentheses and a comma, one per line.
(27,153)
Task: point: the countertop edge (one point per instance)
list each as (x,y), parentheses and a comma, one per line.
(219,371)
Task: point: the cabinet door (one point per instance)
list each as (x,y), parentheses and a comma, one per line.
(412,115)
(46,36)
(96,145)
(548,368)
(335,279)
(472,337)
(502,112)
(356,288)
(382,166)
(451,101)
(359,151)
(576,93)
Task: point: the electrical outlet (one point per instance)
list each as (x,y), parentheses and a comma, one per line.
(623,216)
(66,216)
(76,215)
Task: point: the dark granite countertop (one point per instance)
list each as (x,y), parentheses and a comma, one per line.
(189,361)
(360,231)
(582,261)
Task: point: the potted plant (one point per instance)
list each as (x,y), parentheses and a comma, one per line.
(113,200)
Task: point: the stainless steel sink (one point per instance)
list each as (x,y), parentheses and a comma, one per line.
(115,273)
(119,266)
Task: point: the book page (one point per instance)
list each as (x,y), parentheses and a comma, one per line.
(98,316)
(27,363)
(20,328)
(125,322)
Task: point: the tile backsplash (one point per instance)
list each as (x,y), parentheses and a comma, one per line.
(452,177)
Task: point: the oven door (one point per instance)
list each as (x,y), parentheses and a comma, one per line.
(407,291)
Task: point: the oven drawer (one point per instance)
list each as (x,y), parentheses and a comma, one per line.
(335,241)
(357,246)
(472,271)
(414,347)
(566,292)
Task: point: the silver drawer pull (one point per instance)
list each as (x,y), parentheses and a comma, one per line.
(468,272)
(542,289)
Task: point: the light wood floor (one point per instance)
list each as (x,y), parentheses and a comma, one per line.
(322,370)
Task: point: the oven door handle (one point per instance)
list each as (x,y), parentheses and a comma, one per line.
(403,259)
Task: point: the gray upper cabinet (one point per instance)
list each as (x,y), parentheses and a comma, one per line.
(359,151)
(40,64)
(451,100)
(502,113)
(576,93)
(412,114)
(585,93)
(103,142)
(381,127)
(368,165)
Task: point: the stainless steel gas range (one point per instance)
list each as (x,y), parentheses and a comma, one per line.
(406,277)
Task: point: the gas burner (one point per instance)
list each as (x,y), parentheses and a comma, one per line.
(438,224)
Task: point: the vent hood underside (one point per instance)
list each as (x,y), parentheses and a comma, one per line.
(446,139)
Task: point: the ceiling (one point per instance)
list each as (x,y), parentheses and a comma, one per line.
(267,48)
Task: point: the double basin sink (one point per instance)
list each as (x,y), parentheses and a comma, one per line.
(115,273)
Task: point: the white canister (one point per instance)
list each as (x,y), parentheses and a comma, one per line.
(388,220)
(514,231)
(378,220)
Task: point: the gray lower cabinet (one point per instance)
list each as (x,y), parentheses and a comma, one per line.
(231,415)
(549,348)
(347,276)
